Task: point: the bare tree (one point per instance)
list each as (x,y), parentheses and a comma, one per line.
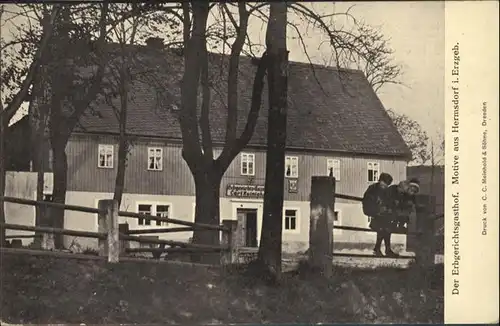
(360,46)
(121,80)
(414,136)
(199,156)
(70,92)
(196,135)
(378,63)
(17,82)
(74,65)
(126,67)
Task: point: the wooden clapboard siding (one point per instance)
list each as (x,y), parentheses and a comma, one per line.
(353,172)
(176,178)
(84,175)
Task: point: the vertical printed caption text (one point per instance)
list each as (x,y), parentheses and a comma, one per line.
(455,72)
(455,175)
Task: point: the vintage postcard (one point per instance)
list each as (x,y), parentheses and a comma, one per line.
(214,162)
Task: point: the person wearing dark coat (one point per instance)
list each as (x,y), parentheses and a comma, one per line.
(375,205)
(402,202)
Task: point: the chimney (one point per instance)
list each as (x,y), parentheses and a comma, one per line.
(155,43)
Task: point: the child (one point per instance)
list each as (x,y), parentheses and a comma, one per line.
(402,202)
(375,206)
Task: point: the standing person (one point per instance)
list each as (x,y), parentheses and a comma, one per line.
(402,201)
(375,205)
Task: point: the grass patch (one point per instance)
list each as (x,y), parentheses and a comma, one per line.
(60,290)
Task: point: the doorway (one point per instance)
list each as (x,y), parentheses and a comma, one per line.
(247,221)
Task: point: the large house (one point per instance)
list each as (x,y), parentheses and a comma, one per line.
(336,125)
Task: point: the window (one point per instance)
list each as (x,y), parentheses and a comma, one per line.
(155,158)
(333,168)
(373,171)
(290,219)
(336,216)
(291,166)
(159,210)
(144,209)
(162,211)
(337,220)
(105,156)
(247,164)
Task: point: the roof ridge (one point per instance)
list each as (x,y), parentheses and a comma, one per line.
(173,50)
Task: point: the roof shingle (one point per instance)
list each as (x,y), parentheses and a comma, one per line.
(328,109)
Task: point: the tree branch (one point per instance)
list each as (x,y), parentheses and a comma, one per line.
(96,82)
(231,17)
(186,21)
(232,81)
(229,153)
(205,110)
(18,99)
(365,47)
(195,45)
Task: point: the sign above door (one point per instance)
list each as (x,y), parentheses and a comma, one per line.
(245,191)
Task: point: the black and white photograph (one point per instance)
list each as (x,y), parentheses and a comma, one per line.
(225,163)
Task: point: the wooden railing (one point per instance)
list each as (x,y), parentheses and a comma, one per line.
(114,238)
(113,243)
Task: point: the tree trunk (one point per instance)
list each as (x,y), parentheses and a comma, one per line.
(272,225)
(39,210)
(38,116)
(123,143)
(207,212)
(56,215)
(39,165)
(120,173)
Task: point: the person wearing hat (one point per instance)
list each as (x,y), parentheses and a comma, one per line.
(375,205)
(402,201)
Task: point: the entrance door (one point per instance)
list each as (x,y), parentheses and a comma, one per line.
(247,224)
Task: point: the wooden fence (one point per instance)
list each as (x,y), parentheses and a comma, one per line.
(422,236)
(113,244)
(114,238)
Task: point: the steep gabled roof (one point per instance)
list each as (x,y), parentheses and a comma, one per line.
(328,109)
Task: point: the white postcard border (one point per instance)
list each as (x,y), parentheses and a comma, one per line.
(471,173)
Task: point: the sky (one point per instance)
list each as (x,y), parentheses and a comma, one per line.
(416,33)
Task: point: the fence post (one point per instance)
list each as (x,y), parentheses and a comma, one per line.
(425,250)
(108,223)
(321,224)
(123,228)
(229,239)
